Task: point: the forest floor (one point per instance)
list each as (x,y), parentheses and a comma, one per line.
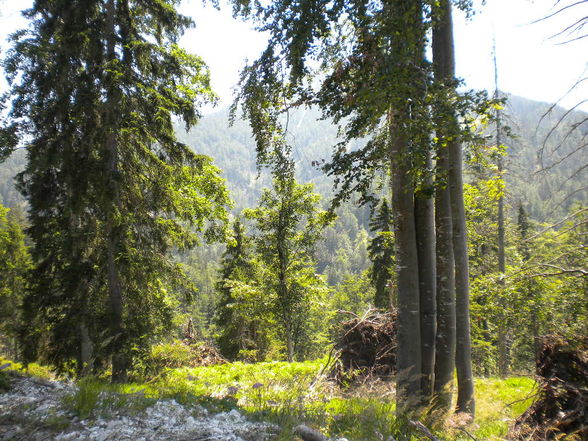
(34,409)
(234,402)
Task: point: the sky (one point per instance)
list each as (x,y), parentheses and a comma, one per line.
(530,63)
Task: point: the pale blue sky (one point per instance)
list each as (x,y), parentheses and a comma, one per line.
(530,64)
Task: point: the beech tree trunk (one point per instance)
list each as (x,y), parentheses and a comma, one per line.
(503,355)
(408,383)
(445,342)
(86,350)
(443,63)
(425,235)
(445,56)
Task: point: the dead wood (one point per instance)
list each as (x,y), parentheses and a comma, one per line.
(560,410)
(367,346)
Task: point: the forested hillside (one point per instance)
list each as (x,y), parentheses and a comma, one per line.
(542,157)
(541,174)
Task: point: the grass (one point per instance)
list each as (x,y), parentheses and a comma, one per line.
(95,398)
(33,369)
(288,394)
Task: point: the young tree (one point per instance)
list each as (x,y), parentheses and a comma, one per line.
(289,223)
(240,314)
(15,262)
(381,252)
(110,190)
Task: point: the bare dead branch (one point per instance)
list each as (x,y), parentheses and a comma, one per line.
(558,11)
(571,216)
(423,429)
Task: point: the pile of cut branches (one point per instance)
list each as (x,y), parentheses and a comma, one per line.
(203,353)
(560,410)
(367,346)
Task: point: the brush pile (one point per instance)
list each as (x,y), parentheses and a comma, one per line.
(560,410)
(367,346)
(203,354)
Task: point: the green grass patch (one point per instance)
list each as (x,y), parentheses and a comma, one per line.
(32,369)
(499,402)
(96,398)
(292,393)
(289,394)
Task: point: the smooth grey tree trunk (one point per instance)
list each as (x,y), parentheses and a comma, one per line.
(425,234)
(408,383)
(445,342)
(86,350)
(443,64)
(463,357)
(463,354)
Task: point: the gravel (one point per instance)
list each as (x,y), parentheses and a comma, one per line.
(33,410)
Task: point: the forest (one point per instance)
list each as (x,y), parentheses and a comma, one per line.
(358,248)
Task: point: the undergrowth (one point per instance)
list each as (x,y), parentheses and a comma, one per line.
(95,398)
(292,393)
(288,394)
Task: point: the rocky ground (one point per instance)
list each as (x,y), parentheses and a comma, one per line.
(34,409)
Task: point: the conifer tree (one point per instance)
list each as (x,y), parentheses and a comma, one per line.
(15,262)
(381,253)
(236,329)
(95,84)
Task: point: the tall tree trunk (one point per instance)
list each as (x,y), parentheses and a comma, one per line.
(119,362)
(503,356)
(463,355)
(446,58)
(425,236)
(443,64)
(408,383)
(445,343)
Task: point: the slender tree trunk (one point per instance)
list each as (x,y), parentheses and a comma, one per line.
(86,350)
(443,64)
(463,358)
(425,235)
(503,356)
(119,362)
(465,400)
(408,383)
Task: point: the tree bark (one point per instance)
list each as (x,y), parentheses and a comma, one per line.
(446,60)
(463,357)
(425,236)
(443,64)
(86,350)
(445,343)
(408,383)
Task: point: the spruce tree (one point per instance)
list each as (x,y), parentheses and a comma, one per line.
(381,253)
(94,87)
(15,262)
(236,329)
